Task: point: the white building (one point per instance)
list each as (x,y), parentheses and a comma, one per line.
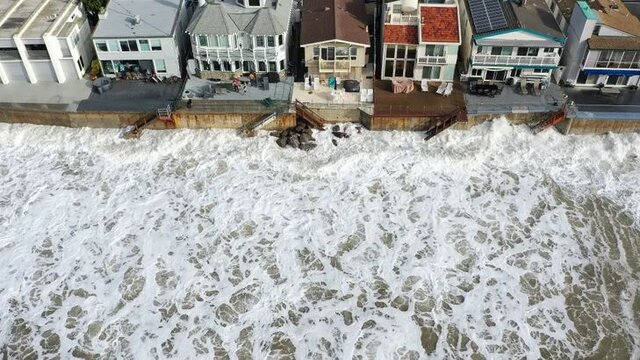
(421,40)
(236,37)
(43,40)
(142,37)
(603,46)
(509,41)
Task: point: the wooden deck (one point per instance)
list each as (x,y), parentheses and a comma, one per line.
(416,103)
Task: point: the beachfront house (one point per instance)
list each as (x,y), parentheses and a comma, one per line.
(335,38)
(603,46)
(234,37)
(512,41)
(420,40)
(43,41)
(139,38)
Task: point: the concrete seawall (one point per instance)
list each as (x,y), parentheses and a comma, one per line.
(197,120)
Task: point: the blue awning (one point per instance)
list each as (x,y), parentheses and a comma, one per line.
(627,72)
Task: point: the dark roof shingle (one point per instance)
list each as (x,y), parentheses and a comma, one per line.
(325,20)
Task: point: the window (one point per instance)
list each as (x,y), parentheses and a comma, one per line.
(254,2)
(156,45)
(328,53)
(354,53)
(280,39)
(227,66)
(271,41)
(206,66)
(124,45)
(160,66)
(101,46)
(548,50)
(259,41)
(516,72)
(399,69)
(396,9)
(144,45)
(496,50)
(400,52)
(223,41)
(408,69)
(388,68)
(262,66)
(476,72)
(596,30)
(527,51)
(342,53)
(80,63)
(431,72)
(272,66)
(434,50)
(203,41)
(316,53)
(540,71)
(216,66)
(282,65)
(247,66)
(391,51)
(479,50)
(236,65)
(113,45)
(107,67)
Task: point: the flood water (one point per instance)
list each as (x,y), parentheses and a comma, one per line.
(483,244)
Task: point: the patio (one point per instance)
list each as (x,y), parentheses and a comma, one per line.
(511,100)
(132,95)
(200,89)
(64,96)
(326,95)
(416,103)
(592,100)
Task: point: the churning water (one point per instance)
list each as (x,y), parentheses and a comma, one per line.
(489,243)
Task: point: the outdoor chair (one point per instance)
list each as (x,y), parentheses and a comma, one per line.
(424,85)
(523,87)
(316,83)
(307,86)
(448,90)
(441,88)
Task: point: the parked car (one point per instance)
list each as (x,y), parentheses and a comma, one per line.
(351,85)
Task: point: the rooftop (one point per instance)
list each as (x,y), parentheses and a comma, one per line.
(439,24)
(528,14)
(614,43)
(232,19)
(324,20)
(400,34)
(14,15)
(617,14)
(157,19)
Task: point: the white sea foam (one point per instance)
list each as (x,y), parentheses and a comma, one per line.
(486,243)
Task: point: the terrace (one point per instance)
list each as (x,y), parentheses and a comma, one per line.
(416,103)
(512,100)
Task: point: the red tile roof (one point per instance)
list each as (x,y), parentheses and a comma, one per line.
(401,34)
(439,24)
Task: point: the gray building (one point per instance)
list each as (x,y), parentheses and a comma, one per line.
(43,41)
(142,37)
(231,38)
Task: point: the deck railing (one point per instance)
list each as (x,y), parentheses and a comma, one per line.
(480,59)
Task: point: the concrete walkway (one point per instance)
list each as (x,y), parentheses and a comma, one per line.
(71,92)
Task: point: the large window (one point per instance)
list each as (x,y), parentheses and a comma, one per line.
(502,50)
(431,72)
(619,59)
(144,45)
(527,51)
(272,66)
(161,67)
(128,45)
(434,50)
(399,61)
(156,45)
(203,41)
(259,41)
(271,41)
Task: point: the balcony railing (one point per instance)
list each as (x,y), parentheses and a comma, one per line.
(432,60)
(617,65)
(515,60)
(334,65)
(402,19)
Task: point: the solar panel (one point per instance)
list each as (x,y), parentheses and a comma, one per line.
(487,15)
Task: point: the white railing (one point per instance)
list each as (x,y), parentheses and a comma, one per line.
(428,60)
(515,60)
(403,19)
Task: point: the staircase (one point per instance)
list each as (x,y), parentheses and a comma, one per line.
(445,122)
(134,131)
(307,115)
(250,129)
(553,120)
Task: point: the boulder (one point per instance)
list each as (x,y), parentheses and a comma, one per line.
(275,134)
(335,128)
(335,142)
(294,142)
(340,134)
(307,146)
(305,138)
(282,142)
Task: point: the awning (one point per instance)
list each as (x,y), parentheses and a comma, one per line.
(627,72)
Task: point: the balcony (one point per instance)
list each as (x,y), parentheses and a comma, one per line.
(480,59)
(334,65)
(432,60)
